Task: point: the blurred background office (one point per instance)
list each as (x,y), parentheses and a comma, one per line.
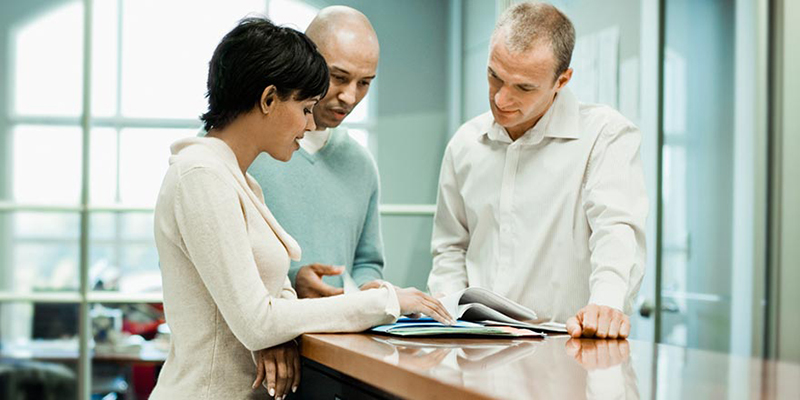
(92,92)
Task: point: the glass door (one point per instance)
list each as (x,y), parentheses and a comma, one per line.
(700,102)
(713,188)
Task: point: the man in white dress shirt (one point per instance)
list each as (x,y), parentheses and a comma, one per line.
(542,199)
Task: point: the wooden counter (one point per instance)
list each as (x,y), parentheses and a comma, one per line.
(363,366)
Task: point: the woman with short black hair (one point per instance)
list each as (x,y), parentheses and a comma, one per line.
(224,258)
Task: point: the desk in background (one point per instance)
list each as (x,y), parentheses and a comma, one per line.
(37,368)
(148,353)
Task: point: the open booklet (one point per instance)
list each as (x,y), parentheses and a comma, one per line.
(429,327)
(479,312)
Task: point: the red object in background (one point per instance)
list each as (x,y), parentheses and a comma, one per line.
(145,329)
(143,377)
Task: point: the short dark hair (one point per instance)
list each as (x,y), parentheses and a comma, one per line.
(257,54)
(531,23)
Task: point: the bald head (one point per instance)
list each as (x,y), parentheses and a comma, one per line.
(349,44)
(344,25)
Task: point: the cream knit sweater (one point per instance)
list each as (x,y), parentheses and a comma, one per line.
(224,261)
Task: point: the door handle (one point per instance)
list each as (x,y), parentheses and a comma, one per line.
(646,308)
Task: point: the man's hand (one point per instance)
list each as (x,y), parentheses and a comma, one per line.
(599,321)
(371,285)
(598,354)
(280,367)
(308,282)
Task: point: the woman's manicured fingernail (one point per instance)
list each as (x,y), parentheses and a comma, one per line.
(272,392)
(254,385)
(294,389)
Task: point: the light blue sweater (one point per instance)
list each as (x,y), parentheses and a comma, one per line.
(328,201)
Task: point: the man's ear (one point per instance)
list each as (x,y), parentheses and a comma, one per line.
(563,79)
(268,97)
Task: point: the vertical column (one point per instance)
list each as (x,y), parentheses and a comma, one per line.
(455,68)
(786,187)
(749,186)
(5,158)
(85,327)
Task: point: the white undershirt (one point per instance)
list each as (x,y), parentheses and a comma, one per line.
(312,141)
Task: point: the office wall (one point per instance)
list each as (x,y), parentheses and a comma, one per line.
(478,18)
(789,225)
(411,95)
(593,16)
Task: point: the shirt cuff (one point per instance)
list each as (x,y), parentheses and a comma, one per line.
(392,303)
(609,295)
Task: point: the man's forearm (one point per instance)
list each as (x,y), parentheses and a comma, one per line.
(367,272)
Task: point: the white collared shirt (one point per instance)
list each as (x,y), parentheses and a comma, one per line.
(554,220)
(313,141)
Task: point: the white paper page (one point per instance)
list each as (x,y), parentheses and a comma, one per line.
(450,303)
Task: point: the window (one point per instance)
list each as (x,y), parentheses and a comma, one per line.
(143,98)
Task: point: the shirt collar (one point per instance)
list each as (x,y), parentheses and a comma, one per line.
(560,121)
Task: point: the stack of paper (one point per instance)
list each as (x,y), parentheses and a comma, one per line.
(479,312)
(429,327)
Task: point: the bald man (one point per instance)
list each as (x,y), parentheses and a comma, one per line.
(326,197)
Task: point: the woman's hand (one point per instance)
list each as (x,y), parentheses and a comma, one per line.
(280,367)
(413,301)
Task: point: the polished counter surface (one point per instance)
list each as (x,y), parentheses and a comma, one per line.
(551,368)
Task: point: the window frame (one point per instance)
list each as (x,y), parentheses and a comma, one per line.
(84,296)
